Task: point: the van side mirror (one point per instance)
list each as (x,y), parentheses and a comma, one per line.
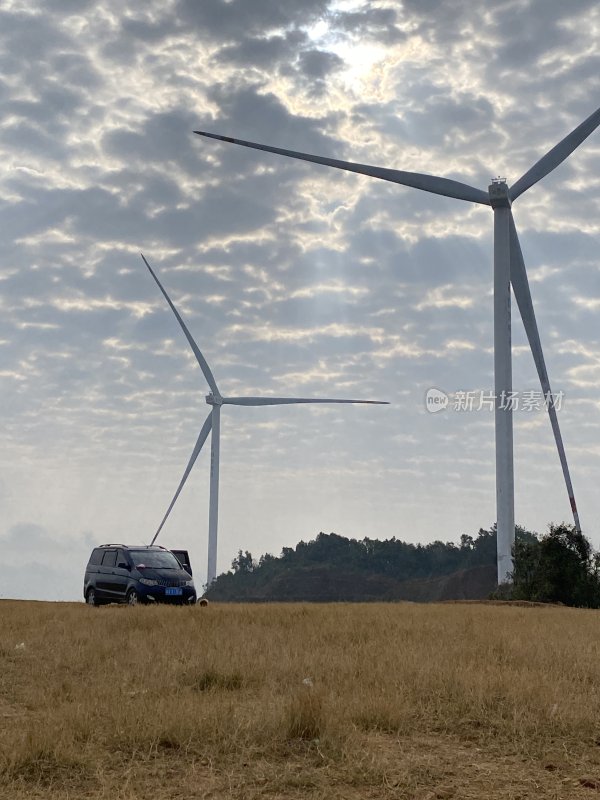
(123,565)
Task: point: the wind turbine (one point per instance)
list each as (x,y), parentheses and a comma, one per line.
(509,268)
(213,422)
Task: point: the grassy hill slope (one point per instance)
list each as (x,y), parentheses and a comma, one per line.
(296,701)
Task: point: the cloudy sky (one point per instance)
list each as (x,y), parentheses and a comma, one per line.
(293,278)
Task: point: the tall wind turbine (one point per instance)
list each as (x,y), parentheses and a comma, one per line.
(509,268)
(213,422)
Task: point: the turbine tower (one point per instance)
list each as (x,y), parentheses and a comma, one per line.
(509,269)
(213,422)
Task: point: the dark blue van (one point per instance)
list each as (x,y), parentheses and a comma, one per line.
(119,573)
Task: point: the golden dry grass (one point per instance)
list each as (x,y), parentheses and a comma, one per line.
(298,701)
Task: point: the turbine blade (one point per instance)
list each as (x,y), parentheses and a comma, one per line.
(196,452)
(428,183)
(200,358)
(276,401)
(556,156)
(520,284)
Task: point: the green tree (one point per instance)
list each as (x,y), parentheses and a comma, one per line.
(243,562)
(559,567)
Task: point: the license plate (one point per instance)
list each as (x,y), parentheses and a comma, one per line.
(177,590)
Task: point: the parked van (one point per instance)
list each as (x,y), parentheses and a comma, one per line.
(120,573)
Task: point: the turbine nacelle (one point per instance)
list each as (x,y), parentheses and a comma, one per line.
(214,399)
(499,193)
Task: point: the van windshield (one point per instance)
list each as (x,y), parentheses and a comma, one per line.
(154,559)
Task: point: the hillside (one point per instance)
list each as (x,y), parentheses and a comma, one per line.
(333,568)
(324,584)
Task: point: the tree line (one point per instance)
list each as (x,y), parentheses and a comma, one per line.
(559,566)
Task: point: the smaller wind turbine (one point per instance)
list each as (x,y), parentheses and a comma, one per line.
(213,422)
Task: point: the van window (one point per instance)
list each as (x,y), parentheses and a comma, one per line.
(110,558)
(96,557)
(121,557)
(157,559)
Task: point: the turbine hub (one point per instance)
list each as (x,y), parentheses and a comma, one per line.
(213,400)
(498,192)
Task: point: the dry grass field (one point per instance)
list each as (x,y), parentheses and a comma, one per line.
(298,701)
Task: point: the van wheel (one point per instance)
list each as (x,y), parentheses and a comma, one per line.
(133,597)
(91,598)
